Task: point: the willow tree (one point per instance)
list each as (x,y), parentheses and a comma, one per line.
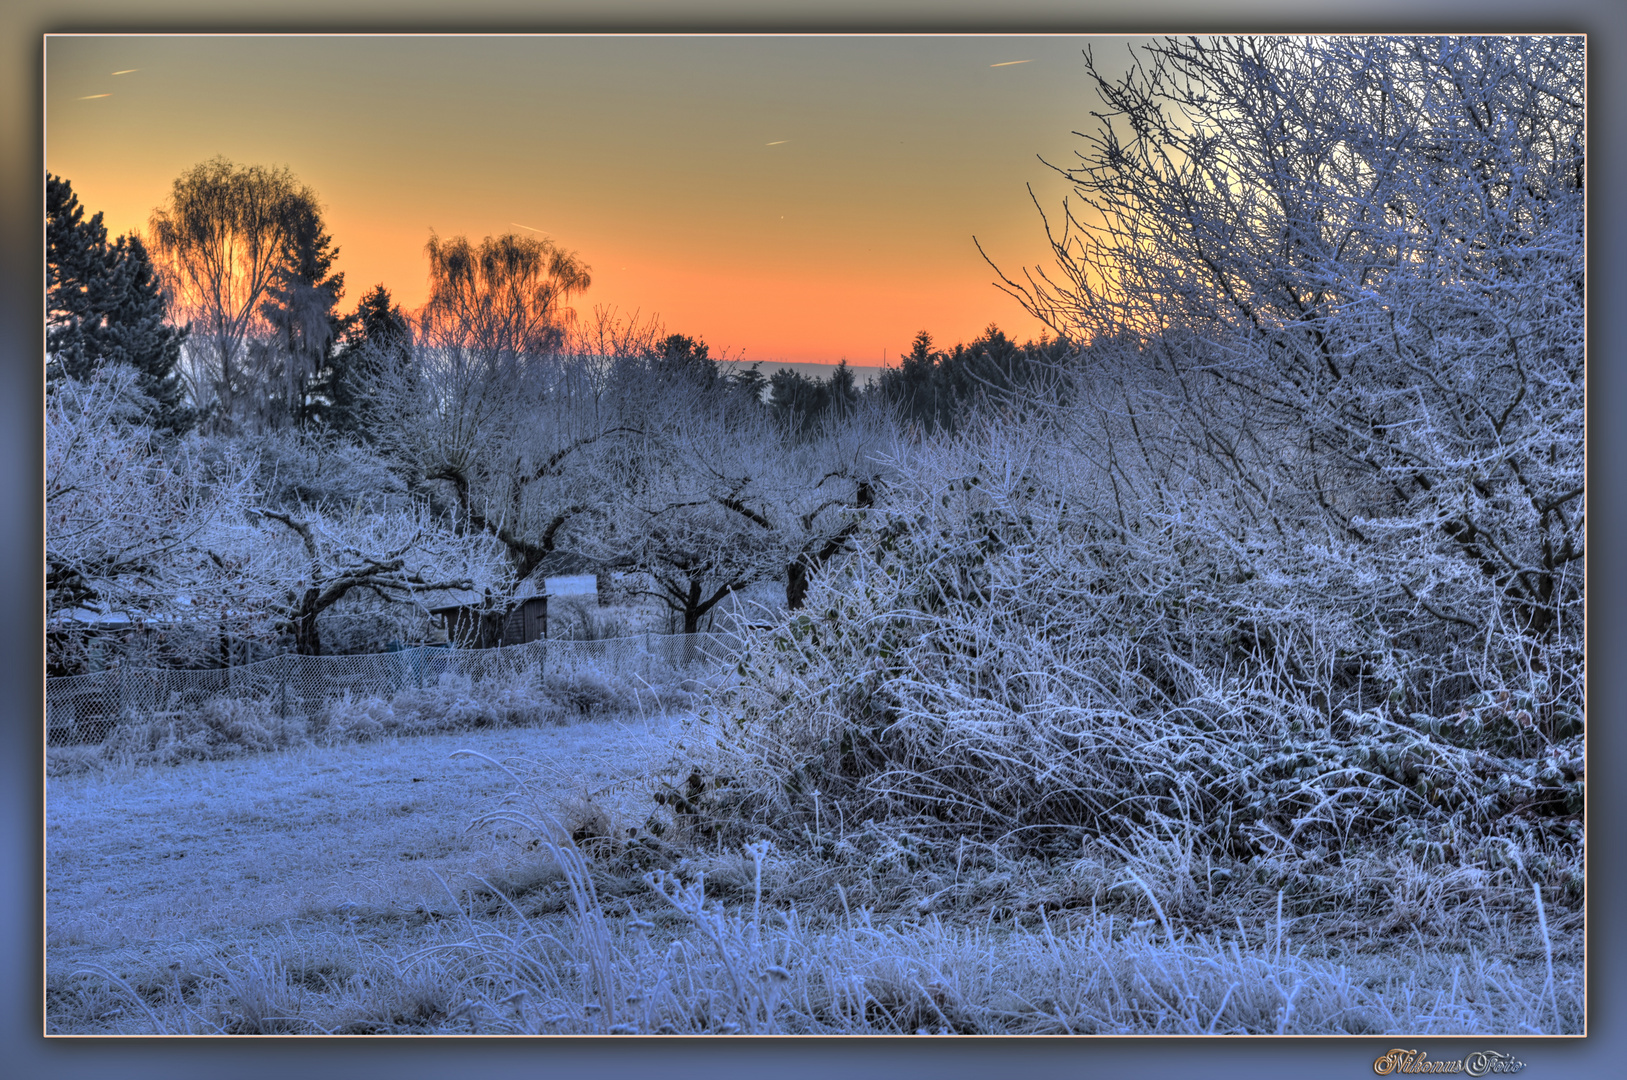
(503,301)
(478,413)
(227,239)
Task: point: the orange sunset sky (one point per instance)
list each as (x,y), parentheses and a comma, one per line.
(793,199)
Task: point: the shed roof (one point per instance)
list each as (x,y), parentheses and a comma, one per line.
(545,581)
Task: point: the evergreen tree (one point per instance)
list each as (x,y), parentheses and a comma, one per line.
(300,307)
(990,367)
(106,305)
(841,389)
(680,356)
(798,401)
(748,384)
(76,273)
(374,339)
(937,390)
(912,387)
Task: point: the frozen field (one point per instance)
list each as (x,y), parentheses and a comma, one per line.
(338,891)
(151,861)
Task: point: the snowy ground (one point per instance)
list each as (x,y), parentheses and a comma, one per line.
(154,857)
(337,890)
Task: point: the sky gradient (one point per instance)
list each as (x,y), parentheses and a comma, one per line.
(801,199)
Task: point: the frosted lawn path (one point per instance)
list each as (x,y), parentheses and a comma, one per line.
(152,857)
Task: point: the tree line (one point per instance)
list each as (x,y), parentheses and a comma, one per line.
(305,463)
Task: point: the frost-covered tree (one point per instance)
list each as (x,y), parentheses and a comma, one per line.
(1354,269)
(687,502)
(483,418)
(203,542)
(709,498)
(309,562)
(1285,562)
(130,526)
(375,339)
(506,453)
(300,312)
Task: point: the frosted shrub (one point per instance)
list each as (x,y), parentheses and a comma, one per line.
(1005,660)
(217,728)
(348,719)
(583,691)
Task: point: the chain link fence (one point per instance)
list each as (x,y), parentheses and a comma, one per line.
(85,709)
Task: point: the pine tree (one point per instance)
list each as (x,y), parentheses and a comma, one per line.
(107,306)
(680,356)
(137,332)
(376,336)
(76,272)
(300,309)
(912,387)
(798,401)
(842,389)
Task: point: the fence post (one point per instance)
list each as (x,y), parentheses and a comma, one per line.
(282,706)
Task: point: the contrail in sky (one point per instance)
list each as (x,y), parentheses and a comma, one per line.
(91,97)
(777,142)
(127,71)
(1008,63)
(517,225)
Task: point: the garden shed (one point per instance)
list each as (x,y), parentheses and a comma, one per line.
(472,622)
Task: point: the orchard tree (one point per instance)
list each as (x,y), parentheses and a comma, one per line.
(465,418)
(501,452)
(685,500)
(105,306)
(178,537)
(708,500)
(835,481)
(391,555)
(130,526)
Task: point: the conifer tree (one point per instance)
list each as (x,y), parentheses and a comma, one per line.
(376,339)
(106,305)
(300,311)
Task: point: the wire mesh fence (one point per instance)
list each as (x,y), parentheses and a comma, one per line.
(85,709)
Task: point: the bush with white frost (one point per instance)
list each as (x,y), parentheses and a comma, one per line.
(1003,662)
(1290,556)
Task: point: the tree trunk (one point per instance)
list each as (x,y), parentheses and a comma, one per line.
(798,570)
(307,642)
(796,583)
(693,610)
